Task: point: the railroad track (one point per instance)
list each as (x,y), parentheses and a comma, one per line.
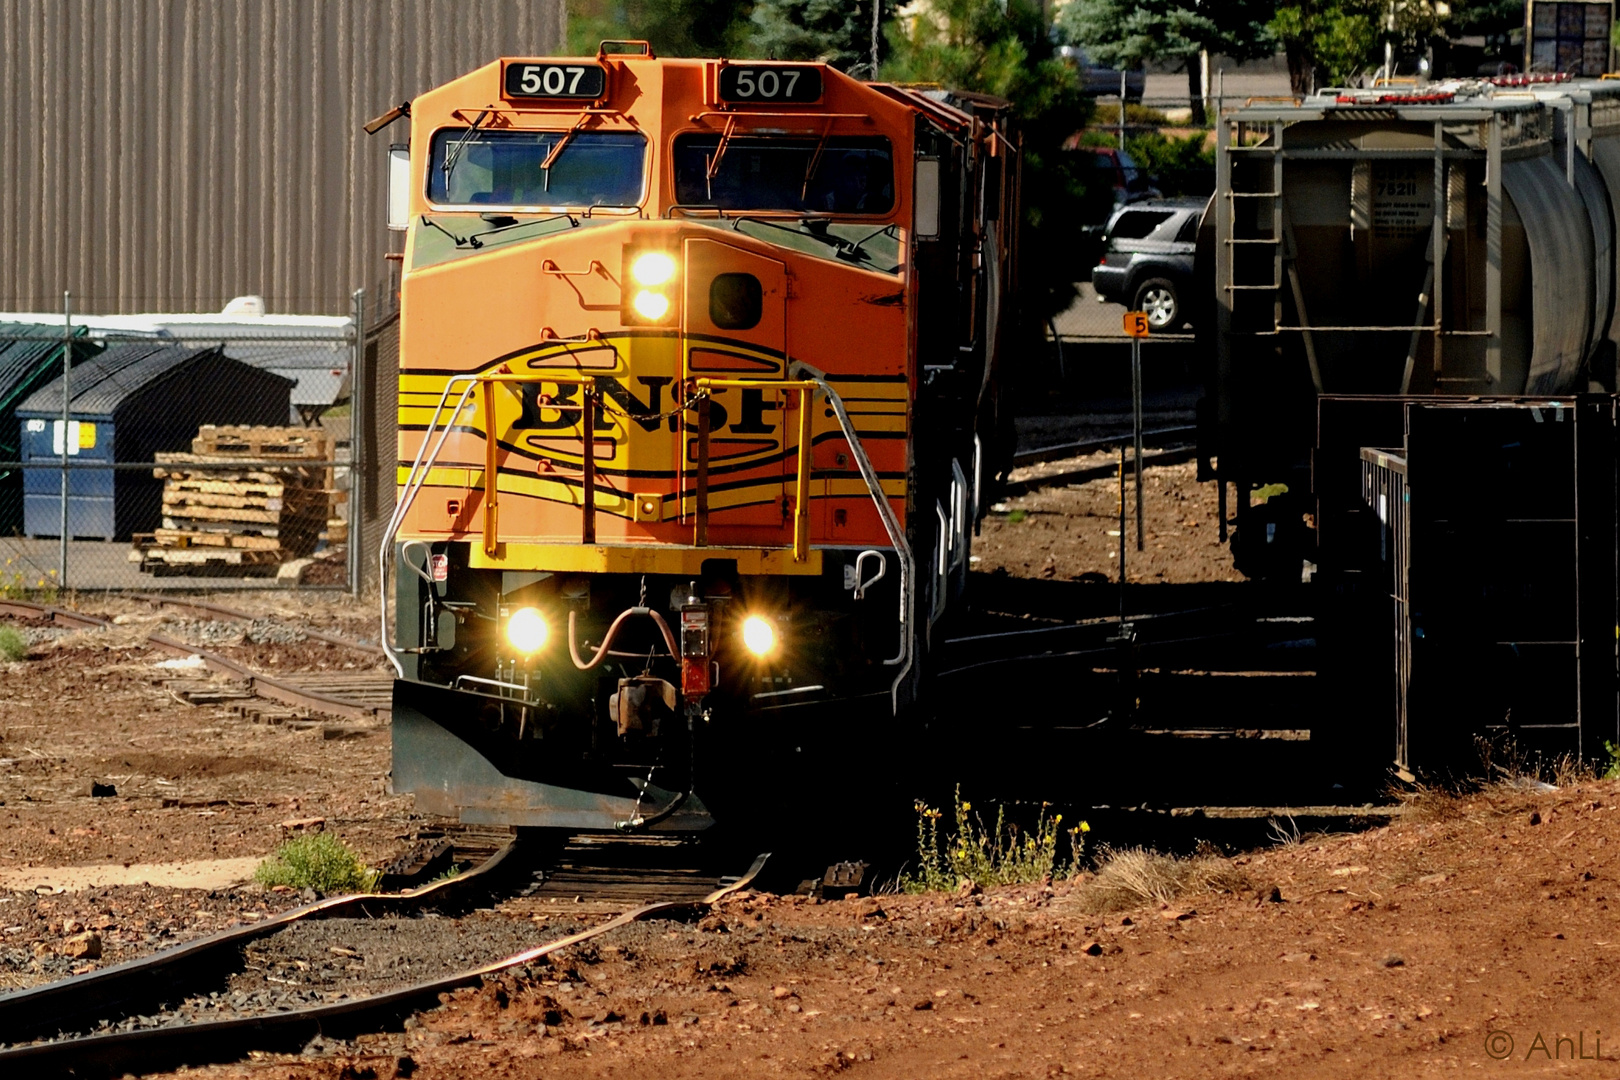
(188,1005)
(209,610)
(350,695)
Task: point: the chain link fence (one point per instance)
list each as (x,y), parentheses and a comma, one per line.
(180,451)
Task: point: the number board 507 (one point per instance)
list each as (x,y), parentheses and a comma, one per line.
(578,82)
(776,84)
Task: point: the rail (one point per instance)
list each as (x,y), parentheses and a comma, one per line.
(131,986)
(134,984)
(262,685)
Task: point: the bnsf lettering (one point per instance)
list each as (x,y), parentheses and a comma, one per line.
(560,409)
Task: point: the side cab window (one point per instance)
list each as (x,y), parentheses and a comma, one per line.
(1137,224)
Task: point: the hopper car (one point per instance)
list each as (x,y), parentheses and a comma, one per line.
(699,394)
(1453,241)
(1410,384)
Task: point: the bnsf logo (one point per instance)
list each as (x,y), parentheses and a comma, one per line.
(556,407)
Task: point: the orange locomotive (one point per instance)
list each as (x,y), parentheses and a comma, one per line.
(698,397)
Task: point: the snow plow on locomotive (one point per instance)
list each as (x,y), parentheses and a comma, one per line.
(698,393)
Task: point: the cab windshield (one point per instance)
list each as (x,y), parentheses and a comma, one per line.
(504,168)
(801,175)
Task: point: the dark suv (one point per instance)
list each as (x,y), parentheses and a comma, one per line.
(1147,262)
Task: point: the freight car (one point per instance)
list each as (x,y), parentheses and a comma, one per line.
(1456,240)
(699,388)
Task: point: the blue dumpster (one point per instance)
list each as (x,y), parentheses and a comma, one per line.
(30,357)
(129,403)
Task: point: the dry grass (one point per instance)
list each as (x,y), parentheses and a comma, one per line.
(1427,803)
(1506,780)
(1131,877)
(1284,831)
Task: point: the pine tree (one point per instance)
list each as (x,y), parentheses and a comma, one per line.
(979,45)
(837,32)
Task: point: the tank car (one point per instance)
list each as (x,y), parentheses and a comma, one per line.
(1450,240)
(699,390)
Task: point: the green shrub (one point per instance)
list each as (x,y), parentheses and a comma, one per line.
(13,646)
(1004,855)
(319,861)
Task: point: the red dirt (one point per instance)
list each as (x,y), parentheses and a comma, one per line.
(1071,532)
(1395,953)
(192,783)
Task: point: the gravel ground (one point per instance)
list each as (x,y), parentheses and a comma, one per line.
(329,960)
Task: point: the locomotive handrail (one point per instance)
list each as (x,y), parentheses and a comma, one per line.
(801,481)
(492,487)
(811,381)
(421,466)
(891,525)
(703,116)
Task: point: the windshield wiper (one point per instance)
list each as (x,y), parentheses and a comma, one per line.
(815,161)
(506,222)
(859,246)
(461,241)
(454,153)
(843,249)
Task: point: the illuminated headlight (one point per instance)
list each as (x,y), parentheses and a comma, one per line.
(653,268)
(651,305)
(526,630)
(759,636)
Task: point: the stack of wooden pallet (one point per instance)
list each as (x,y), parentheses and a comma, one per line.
(272,508)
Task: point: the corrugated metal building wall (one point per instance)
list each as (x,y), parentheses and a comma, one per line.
(167,155)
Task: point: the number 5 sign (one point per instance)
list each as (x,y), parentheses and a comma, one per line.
(1136,324)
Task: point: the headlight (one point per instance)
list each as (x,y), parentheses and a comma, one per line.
(526,630)
(653,268)
(651,305)
(759,635)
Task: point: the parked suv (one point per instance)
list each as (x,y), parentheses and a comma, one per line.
(1147,262)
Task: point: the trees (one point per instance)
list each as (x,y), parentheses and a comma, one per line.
(975,45)
(839,32)
(674,27)
(1129,33)
(1332,39)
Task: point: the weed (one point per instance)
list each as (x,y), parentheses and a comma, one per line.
(1284,831)
(20,580)
(13,646)
(1015,516)
(319,861)
(455,871)
(1613,771)
(1003,855)
(1428,803)
(1130,877)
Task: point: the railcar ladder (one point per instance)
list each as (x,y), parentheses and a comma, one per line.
(1239,230)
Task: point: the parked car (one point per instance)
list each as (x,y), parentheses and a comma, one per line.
(1147,260)
(1103,81)
(1117,168)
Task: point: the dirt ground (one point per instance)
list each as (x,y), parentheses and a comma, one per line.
(1014,983)
(176,783)
(1472,934)
(1071,532)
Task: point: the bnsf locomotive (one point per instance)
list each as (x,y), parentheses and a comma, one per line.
(698,400)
